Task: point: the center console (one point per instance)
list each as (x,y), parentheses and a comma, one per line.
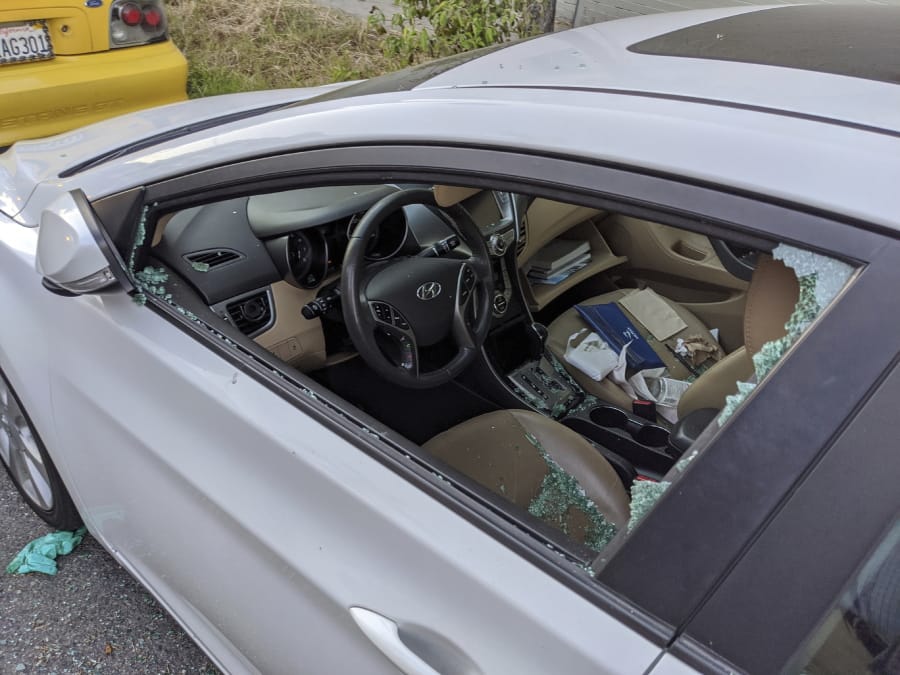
(543,386)
(533,376)
(643,444)
(524,372)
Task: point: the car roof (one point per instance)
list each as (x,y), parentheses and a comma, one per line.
(834,63)
(823,140)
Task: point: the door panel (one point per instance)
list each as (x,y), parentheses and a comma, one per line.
(788,581)
(258,526)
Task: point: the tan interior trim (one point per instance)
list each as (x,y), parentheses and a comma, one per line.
(449,195)
(547,219)
(668,250)
(160,228)
(492,450)
(711,388)
(295,340)
(771,298)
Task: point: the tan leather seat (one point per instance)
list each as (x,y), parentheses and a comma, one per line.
(502,451)
(771,297)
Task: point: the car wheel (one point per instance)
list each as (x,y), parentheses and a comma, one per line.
(29,465)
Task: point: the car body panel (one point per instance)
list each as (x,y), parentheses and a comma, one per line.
(320,525)
(597,57)
(669,665)
(85,81)
(259,527)
(830,236)
(698,141)
(651,112)
(23,348)
(829,520)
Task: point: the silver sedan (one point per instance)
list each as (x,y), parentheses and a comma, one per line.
(573,356)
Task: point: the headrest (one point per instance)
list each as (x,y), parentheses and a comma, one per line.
(771,298)
(448,195)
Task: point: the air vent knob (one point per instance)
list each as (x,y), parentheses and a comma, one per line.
(253,310)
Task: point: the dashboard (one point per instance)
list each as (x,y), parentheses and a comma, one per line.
(234,251)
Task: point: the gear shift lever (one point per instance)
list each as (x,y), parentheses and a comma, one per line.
(537,339)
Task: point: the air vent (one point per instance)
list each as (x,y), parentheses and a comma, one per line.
(251,314)
(213,258)
(522,235)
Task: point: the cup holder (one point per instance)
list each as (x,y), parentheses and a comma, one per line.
(609,417)
(644,445)
(652,435)
(643,433)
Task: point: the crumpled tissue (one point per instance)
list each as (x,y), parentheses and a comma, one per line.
(40,554)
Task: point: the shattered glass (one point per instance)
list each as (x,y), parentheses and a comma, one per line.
(560,494)
(820,278)
(563,408)
(152,280)
(644,494)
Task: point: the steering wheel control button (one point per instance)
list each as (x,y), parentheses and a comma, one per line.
(467,285)
(469,278)
(386,314)
(406,353)
(398,320)
(382,312)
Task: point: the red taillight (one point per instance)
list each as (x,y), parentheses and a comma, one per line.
(152,17)
(130,15)
(135,22)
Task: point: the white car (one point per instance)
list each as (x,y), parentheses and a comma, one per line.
(577,356)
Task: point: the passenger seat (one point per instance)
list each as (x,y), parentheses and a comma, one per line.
(771,298)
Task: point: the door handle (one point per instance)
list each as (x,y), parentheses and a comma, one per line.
(384,633)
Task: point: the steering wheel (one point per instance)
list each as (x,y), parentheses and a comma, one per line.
(394,309)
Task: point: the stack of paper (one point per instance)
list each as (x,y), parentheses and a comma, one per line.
(558,260)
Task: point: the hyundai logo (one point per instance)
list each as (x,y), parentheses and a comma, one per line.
(428,291)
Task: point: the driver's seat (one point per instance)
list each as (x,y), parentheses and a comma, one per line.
(502,451)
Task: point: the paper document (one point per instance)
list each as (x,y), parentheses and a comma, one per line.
(654,313)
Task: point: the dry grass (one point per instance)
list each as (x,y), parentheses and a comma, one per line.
(268,44)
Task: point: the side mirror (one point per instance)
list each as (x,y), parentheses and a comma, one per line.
(69,255)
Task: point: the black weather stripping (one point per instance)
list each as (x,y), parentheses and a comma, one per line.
(169,135)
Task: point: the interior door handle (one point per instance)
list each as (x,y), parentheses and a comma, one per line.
(444,657)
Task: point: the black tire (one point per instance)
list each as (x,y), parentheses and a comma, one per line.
(29,466)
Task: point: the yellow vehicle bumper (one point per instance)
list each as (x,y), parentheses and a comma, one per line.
(48,97)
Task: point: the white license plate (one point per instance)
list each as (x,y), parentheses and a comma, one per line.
(23,42)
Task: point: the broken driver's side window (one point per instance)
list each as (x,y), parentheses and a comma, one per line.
(564,358)
(803,282)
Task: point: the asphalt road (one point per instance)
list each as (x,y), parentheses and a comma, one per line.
(92,617)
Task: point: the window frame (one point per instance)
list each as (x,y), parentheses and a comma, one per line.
(786,592)
(627,591)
